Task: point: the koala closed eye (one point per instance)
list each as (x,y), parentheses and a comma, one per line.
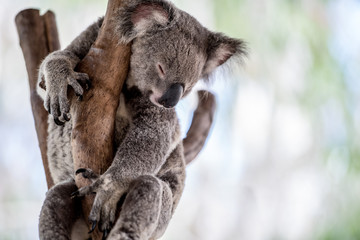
(161,71)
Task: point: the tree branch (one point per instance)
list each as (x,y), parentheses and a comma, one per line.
(93,118)
(38,37)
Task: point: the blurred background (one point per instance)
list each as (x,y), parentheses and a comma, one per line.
(283,158)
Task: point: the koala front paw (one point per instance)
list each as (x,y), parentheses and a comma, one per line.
(58,75)
(108,192)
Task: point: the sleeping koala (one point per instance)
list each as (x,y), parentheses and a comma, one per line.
(171,51)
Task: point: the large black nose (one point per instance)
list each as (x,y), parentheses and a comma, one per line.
(172,96)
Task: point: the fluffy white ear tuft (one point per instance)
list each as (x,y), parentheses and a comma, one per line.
(141,16)
(220,49)
(147,15)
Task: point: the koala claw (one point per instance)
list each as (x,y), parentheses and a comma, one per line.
(105,234)
(66,116)
(74,194)
(58,122)
(87,84)
(87,173)
(108,193)
(93,225)
(80,97)
(80,170)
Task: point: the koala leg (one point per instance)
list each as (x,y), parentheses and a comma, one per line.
(59,214)
(140,211)
(166,212)
(151,201)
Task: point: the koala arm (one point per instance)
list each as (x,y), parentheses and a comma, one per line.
(57,72)
(77,49)
(142,152)
(146,145)
(80,46)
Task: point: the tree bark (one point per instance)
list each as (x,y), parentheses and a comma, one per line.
(93,118)
(38,37)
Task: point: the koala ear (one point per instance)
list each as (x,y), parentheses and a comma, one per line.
(221,48)
(140,16)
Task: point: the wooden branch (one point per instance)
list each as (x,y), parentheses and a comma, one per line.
(200,126)
(93,118)
(38,37)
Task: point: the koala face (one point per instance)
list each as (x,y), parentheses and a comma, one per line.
(166,65)
(171,50)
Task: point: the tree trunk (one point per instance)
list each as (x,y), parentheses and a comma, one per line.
(38,37)
(93,118)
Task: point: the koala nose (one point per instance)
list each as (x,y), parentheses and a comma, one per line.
(172,96)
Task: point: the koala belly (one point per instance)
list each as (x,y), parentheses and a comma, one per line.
(59,143)
(59,151)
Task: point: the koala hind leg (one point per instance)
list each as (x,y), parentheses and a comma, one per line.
(151,201)
(147,203)
(59,213)
(172,177)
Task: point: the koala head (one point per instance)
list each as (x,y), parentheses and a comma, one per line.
(171,50)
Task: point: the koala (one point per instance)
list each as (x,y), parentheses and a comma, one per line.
(171,51)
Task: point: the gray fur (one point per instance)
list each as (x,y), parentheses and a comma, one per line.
(59,213)
(168,47)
